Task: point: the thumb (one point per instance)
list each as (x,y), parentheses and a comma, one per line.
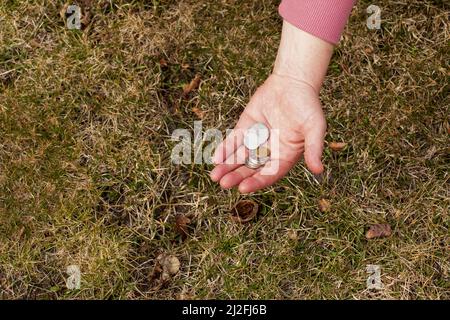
(314,137)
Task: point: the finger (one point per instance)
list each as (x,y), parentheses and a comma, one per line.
(235,139)
(227,147)
(314,137)
(235,177)
(273,171)
(233,162)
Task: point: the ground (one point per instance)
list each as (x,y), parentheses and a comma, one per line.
(86,179)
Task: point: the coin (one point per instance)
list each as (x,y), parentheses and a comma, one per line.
(251,140)
(261,131)
(256,135)
(252,163)
(257,158)
(263,152)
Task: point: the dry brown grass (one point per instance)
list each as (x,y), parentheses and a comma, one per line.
(86,178)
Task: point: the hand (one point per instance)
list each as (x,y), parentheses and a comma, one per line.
(288,102)
(292,106)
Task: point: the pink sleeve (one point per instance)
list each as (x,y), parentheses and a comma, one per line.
(324,19)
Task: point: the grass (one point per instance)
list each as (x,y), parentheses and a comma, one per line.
(86,179)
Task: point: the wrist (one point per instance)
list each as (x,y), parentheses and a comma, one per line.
(302,56)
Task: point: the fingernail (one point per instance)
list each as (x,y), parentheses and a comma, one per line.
(213,175)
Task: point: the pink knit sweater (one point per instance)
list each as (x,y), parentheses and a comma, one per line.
(324,19)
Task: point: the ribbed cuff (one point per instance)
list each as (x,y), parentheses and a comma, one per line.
(324,19)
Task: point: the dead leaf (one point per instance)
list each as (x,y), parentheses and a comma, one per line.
(198,112)
(244,211)
(379,231)
(337,146)
(192,85)
(181,225)
(163,62)
(324,205)
(185,66)
(368,50)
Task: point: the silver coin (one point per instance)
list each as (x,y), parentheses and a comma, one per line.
(256,135)
(251,140)
(258,158)
(255,164)
(261,131)
(250,163)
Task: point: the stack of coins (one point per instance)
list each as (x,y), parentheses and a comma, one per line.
(254,140)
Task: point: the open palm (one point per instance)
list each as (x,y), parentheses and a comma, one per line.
(289,108)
